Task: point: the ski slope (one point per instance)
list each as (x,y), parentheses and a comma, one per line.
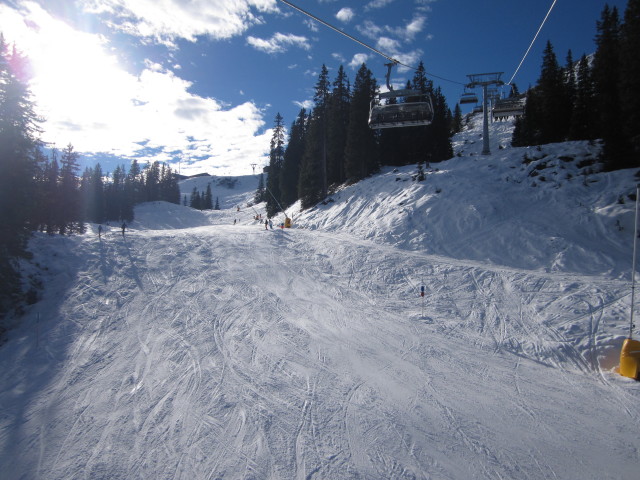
(193,348)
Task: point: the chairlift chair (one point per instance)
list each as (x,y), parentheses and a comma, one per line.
(415,110)
(508,107)
(468,97)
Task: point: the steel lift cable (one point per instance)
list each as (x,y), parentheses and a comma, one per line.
(360,42)
(532,42)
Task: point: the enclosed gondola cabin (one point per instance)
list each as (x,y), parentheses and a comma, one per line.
(414,111)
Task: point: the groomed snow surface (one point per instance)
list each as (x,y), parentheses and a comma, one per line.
(193,348)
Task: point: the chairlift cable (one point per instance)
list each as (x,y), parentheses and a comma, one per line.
(351,37)
(532,42)
(345,34)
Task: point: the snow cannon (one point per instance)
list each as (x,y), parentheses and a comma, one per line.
(287,222)
(630,353)
(630,359)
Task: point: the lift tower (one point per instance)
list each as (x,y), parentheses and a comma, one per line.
(484,80)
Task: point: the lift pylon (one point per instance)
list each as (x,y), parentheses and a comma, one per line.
(484,80)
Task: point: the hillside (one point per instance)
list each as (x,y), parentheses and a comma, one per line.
(541,209)
(197,348)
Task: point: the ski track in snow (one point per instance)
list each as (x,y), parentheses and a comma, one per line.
(232,352)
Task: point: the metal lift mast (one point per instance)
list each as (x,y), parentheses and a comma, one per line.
(484,80)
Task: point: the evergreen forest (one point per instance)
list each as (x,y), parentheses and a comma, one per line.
(43,189)
(595,97)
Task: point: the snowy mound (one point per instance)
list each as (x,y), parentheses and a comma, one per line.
(164,215)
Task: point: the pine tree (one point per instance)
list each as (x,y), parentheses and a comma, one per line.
(292,159)
(582,125)
(526,130)
(420,81)
(419,141)
(606,77)
(18,147)
(92,187)
(152,182)
(207,202)
(311,174)
(312,183)
(114,194)
(431,143)
(136,183)
(555,115)
(50,197)
(569,98)
(169,190)
(630,75)
(276,160)
(337,123)
(196,199)
(70,199)
(217,205)
(439,130)
(547,114)
(39,213)
(260,192)
(131,191)
(361,152)
(456,123)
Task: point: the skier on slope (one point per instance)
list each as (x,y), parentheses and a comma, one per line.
(124,226)
(266,224)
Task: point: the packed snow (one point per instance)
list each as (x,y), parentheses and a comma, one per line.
(201,345)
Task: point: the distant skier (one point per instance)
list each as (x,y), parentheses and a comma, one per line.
(266,224)
(124,227)
(99,231)
(235,220)
(270,224)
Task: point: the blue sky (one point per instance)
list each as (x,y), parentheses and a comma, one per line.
(197,83)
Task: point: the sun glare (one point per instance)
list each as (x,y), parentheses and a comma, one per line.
(75,79)
(88,99)
(75,74)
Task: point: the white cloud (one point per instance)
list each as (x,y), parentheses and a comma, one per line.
(406,33)
(358,59)
(89,100)
(308,104)
(339,57)
(278,43)
(345,14)
(378,4)
(408,58)
(424,5)
(370,29)
(411,29)
(168,20)
(388,45)
(312,24)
